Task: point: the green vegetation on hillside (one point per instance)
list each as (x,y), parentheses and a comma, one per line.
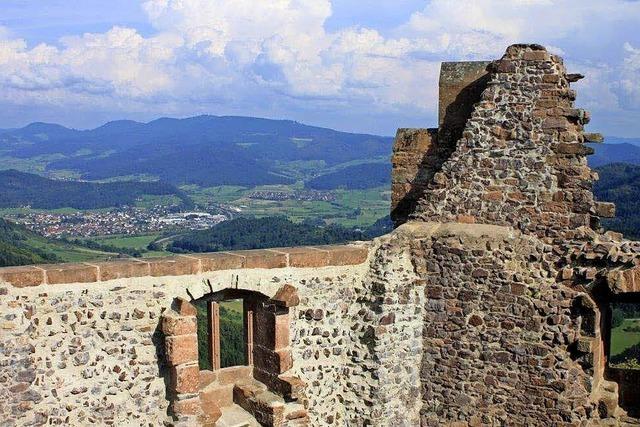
(258,233)
(620,183)
(22,189)
(232,345)
(358,177)
(624,351)
(15,248)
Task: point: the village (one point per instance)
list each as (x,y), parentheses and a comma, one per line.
(118,221)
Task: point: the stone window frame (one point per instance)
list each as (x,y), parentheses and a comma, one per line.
(271,351)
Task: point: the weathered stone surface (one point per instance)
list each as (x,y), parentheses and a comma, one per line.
(262,258)
(179,325)
(173,266)
(219,261)
(70,273)
(181,349)
(21,277)
(185,378)
(122,269)
(287,295)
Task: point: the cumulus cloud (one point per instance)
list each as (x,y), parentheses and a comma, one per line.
(277,56)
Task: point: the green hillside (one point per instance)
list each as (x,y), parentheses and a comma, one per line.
(620,183)
(24,189)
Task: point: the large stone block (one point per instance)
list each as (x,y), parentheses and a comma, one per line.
(185,378)
(122,269)
(305,257)
(219,261)
(173,324)
(345,255)
(275,362)
(173,266)
(262,258)
(181,349)
(71,273)
(219,395)
(273,332)
(21,277)
(287,296)
(187,407)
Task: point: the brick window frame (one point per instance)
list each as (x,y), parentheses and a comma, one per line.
(268,349)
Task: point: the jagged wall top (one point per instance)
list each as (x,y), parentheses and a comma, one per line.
(521,158)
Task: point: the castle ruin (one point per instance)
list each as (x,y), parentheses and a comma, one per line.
(489,304)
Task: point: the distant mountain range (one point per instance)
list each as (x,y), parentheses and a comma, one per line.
(625,152)
(204,150)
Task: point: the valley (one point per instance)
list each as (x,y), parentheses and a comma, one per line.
(135,189)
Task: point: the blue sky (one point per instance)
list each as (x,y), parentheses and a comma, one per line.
(356,65)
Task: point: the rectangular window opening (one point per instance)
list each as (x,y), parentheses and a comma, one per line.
(624,344)
(233,347)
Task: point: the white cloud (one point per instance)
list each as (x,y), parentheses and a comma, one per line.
(253,56)
(630,77)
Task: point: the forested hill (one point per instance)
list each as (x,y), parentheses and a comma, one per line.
(24,189)
(203,150)
(620,183)
(15,248)
(259,233)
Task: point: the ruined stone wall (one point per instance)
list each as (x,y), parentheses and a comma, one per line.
(497,330)
(521,159)
(75,353)
(79,350)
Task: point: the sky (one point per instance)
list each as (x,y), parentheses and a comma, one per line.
(355,65)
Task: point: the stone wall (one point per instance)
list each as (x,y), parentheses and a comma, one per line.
(91,351)
(490,306)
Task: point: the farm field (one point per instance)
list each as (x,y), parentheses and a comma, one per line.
(351,208)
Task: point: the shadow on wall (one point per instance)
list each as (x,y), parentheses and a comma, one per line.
(442,144)
(163,369)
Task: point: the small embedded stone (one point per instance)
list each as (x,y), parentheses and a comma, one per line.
(475,320)
(480,273)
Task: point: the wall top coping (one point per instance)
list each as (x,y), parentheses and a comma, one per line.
(187,264)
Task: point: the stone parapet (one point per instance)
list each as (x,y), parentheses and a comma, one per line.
(180,265)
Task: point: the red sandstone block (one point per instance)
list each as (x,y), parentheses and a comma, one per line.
(187,406)
(179,325)
(273,332)
(536,55)
(207,377)
(262,258)
(21,277)
(275,362)
(220,396)
(70,273)
(345,255)
(183,307)
(233,374)
(185,378)
(605,210)
(122,269)
(181,349)
(306,257)
(466,219)
(287,296)
(281,338)
(219,261)
(173,266)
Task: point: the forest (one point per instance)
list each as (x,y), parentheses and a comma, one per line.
(15,248)
(24,189)
(259,233)
(620,183)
